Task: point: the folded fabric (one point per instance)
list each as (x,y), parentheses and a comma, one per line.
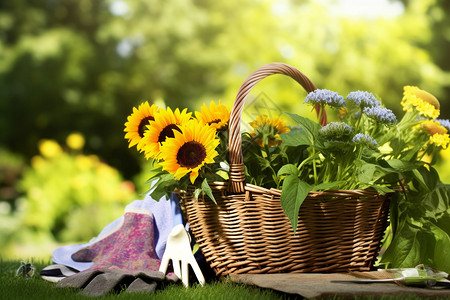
(131,248)
(55,273)
(126,258)
(166,214)
(102,281)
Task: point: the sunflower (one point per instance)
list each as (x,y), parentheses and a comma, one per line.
(189,150)
(269,130)
(425,103)
(165,123)
(135,127)
(216,116)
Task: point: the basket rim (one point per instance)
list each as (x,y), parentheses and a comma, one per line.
(223,185)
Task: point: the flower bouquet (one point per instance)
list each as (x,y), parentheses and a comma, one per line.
(310,197)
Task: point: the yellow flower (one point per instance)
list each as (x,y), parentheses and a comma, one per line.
(216,115)
(189,150)
(135,127)
(50,148)
(441,140)
(268,128)
(164,125)
(75,141)
(425,103)
(433,127)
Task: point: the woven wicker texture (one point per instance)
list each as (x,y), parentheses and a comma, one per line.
(248,232)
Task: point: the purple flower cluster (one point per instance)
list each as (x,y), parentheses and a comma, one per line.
(365,140)
(381,114)
(363,99)
(325,97)
(445,123)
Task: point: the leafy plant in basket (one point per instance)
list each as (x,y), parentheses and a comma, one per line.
(365,148)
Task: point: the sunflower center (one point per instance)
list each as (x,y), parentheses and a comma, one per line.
(216,121)
(427,97)
(167,132)
(142,125)
(191,154)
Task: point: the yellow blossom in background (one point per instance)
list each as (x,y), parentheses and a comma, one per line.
(425,103)
(50,148)
(84,162)
(75,141)
(445,154)
(37,161)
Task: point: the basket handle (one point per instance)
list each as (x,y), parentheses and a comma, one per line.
(236,174)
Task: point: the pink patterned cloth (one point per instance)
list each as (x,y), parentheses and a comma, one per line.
(130,249)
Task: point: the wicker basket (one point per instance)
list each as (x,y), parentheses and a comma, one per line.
(248,232)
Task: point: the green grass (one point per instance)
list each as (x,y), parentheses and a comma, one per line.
(12,287)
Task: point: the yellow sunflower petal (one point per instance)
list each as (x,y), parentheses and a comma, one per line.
(135,126)
(216,116)
(189,150)
(164,125)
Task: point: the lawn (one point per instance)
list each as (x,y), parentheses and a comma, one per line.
(12,287)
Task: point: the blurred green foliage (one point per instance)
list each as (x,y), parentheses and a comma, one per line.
(81,65)
(67,197)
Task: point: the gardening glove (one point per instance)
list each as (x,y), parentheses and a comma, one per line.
(99,282)
(178,249)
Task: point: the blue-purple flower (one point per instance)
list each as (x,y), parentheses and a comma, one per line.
(325,97)
(363,99)
(445,123)
(365,140)
(381,114)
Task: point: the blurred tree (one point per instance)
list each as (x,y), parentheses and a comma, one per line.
(434,14)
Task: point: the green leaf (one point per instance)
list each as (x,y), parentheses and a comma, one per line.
(197,192)
(400,165)
(288,169)
(308,125)
(294,192)
(404,250)
(164,186)
(207,190)
(370,173)
(327,185)
(441,259)
(296,137)
(383,190)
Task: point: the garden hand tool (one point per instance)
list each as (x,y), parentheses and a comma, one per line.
(178,249)
(418,276)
